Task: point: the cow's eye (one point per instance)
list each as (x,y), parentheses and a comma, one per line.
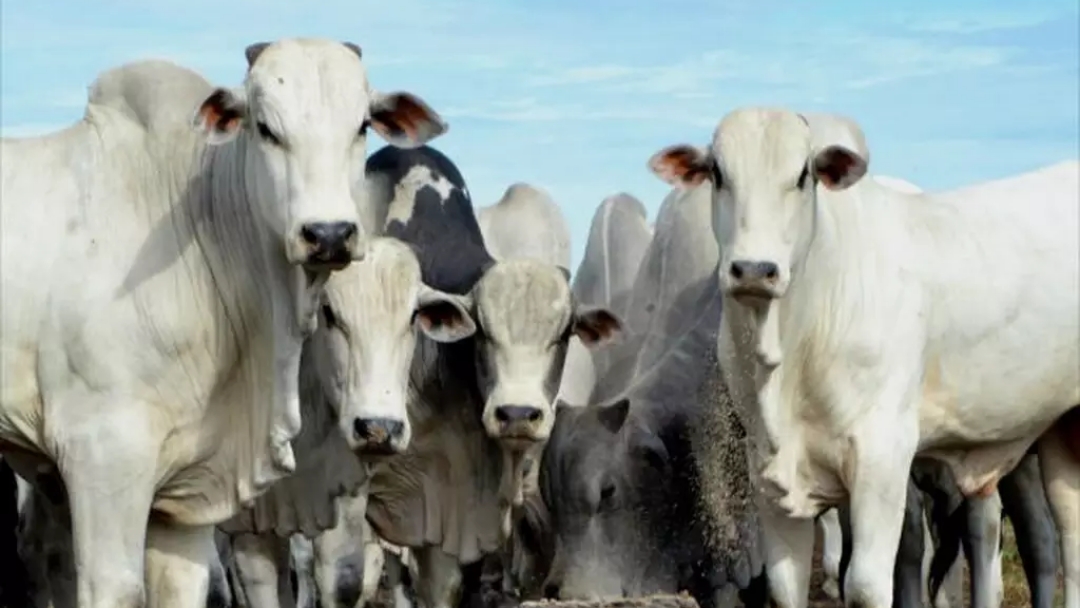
(803,176)
(607,495)
(267,134)
(329,317)
(364,126)
(717,176)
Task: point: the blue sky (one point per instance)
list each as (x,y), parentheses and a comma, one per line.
(575,96)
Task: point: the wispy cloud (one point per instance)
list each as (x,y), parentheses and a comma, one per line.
(575,96)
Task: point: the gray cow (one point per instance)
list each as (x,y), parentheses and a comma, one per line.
(629,483)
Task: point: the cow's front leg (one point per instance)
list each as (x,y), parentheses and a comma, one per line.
(828,525)
(261,571)
(438,581)
(908,569)
(982,545)
(1061,478)
(879,463)
(789,554)
(178,565)
(108,463)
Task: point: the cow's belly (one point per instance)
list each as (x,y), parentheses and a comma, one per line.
(980,403)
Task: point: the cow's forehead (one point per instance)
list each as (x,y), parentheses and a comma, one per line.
(385,281)
(523,300)
(753,143)
(294,74)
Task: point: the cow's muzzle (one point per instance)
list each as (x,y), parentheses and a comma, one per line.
(378,436)
(329,245)
(749,280)
(519,423)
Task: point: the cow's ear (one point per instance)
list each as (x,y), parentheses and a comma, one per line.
(682,166)
(838,168)
(220,116)
(596,325)
(404,120)
(443,317)
(613,416)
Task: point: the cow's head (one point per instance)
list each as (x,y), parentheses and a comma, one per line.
(526,314)
(604,479)
(365,341)
(303,116)
(764,166)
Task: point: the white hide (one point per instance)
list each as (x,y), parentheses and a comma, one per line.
(526,223)
(937,324)
(151,322)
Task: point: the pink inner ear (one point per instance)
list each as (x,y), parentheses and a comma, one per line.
(680,164)
(833,165)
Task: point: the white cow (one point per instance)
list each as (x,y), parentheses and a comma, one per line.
(828,524)
(936,324)
(371,317)
(526,223)
(450,460)
(618,239)
(152,348)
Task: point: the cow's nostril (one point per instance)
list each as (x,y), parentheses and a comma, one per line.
(308,235)
(348,231)
(534,416)
(360,428)
(771,271)
(736,270)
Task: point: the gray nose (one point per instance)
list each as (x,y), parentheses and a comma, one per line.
(744,270)
(378,434)
(512,414)
(330,242)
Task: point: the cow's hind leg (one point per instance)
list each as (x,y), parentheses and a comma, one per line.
(1059,455)
(178,565)
(107,460)
(1024,500)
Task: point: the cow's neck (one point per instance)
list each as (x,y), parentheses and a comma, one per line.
(259,294)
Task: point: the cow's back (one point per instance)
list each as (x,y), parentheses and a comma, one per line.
(618,239)
(526,223)
(682,251)
(427,204)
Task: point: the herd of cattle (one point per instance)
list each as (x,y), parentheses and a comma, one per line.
(245,363)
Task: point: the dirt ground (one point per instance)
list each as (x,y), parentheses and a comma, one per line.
(1016,590)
